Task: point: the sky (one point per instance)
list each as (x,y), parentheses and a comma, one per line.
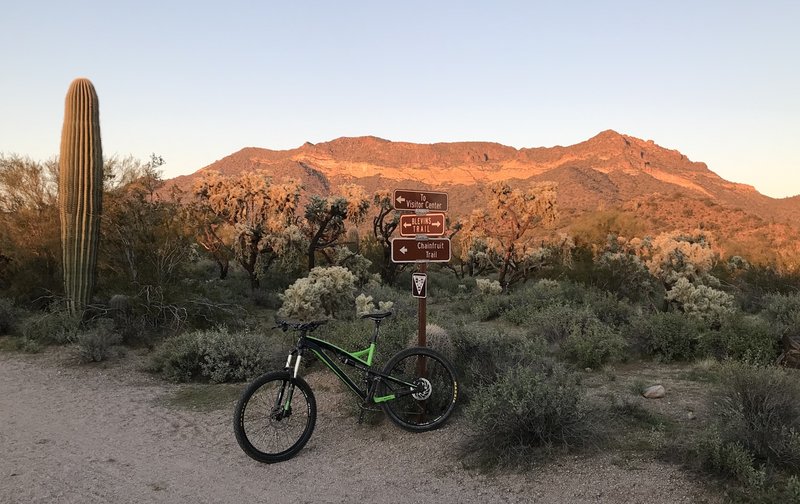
(195,81)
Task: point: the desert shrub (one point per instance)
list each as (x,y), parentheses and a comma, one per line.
(96,343)
(759,407)
(551,322)
(743,337)
(669,336)
(591,343)
(538,405)
(489,307)
(627,276)
(53,327)
(481,353)
(783,310)
(441,283)
(730,459)
(608,308)
(216,355)
(545,292)
(325,292)
(8,316)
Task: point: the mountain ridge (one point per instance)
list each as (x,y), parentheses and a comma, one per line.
(608,170)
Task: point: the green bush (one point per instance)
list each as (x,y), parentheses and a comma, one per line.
(760,408)
(730,459)
(217,355)
(482,353)
(670,336)
(783,310)
(54,327)
(487,308)
(626,276)
(742,337)
(552,322)
(528,406)
(96,344)
(608,308)
(591,343)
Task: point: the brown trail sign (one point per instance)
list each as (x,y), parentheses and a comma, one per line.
(406,250)
(429,224)
(419,200)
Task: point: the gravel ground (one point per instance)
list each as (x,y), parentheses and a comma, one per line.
(86,434)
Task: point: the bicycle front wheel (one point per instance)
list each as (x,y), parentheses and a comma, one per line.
(275,417)
(434,381)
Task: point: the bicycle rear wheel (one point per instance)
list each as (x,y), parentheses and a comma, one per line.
(429,408)
(275,417)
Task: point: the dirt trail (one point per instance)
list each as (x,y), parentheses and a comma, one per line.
(76,434)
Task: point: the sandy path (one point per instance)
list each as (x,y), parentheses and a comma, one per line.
(73,434)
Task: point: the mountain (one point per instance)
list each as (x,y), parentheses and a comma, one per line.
(661,188)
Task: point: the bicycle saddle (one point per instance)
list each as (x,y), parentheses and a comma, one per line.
(377,315)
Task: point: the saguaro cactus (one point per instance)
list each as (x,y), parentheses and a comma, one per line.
(80,192)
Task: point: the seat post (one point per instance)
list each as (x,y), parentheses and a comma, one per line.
(374,338)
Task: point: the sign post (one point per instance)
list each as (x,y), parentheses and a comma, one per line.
(422,337)
(425,225)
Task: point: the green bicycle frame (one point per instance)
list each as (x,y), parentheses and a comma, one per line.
(362,361)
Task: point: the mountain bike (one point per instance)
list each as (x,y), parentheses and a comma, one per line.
(275,416)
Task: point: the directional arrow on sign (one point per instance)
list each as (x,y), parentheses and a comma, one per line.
(400,199)
(403,250)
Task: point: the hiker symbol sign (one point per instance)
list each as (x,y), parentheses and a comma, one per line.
(419,285)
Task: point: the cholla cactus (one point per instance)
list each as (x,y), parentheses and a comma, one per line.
(488,287)
(677,255)
(323,293)
(364,305)
(701,302)
(80,192)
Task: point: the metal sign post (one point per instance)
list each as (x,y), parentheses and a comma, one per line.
(423,312)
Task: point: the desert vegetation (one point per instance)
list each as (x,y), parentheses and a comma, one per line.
(544,326)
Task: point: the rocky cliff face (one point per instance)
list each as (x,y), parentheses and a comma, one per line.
(661,186)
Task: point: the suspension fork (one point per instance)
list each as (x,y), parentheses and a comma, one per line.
(284,400)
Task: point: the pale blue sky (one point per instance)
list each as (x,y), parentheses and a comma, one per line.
(196,81)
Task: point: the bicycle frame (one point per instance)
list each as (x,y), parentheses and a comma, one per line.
(360,360)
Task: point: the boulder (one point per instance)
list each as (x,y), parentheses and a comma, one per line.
(654,392)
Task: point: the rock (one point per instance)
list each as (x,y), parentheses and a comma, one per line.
(654,392)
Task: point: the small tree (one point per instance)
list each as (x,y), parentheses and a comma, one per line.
(503,232)
(325,220)
(30,247)
(144,236)
(260,216)
(383,226)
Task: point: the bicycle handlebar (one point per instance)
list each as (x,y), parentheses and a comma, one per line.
(285,325)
